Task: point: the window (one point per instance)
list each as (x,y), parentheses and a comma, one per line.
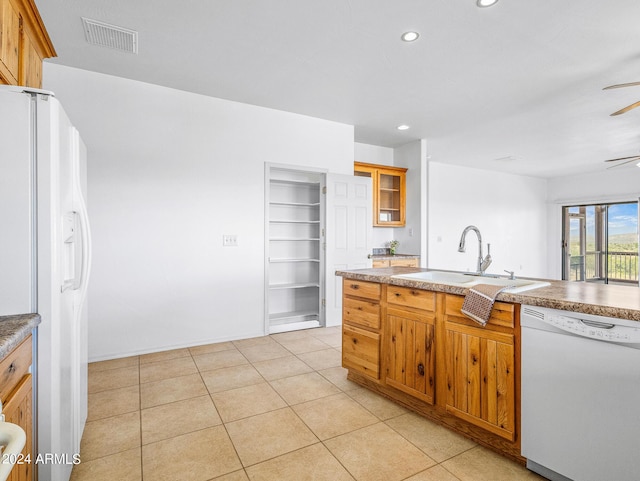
(600,243)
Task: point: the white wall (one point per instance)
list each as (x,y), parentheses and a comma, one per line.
(374,154)
(411,156)
(620,184)
(509,210)
(170,172)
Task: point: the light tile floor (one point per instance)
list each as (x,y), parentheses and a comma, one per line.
(274,408)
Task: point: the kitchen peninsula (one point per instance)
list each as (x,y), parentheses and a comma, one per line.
(407,340)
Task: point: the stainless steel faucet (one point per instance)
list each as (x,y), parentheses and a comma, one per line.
(483,262)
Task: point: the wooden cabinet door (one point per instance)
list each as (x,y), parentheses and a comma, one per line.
(9,42)
(31,63)
(410,365)
(391,197)
(18,410)
(480,377)
(389,193)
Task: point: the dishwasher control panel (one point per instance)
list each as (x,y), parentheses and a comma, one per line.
(600,330)
(608,329)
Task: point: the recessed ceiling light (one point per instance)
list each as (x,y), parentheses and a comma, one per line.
(486,3)
(638,164)
(410,36)
(403,127)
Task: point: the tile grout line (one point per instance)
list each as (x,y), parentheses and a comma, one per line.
(288,405)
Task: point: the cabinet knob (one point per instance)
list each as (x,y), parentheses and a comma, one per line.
(421,369)
(12,367)
(355,286)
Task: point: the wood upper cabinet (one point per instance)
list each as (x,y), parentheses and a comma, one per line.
(24,43)
(16,392)
(481,368)
(389,194)
(361,327)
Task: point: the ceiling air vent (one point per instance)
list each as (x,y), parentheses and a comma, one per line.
(111,36)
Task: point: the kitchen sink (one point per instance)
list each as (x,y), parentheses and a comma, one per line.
(460,279)
(439,277)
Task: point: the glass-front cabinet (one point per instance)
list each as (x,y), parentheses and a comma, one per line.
(389,196)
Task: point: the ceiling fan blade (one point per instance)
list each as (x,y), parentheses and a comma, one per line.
(623,158)
(626,109)
(623,163)
(618,86)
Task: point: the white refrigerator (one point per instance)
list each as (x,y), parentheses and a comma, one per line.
(45,254)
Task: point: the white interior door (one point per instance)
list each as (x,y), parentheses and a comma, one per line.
(348,236)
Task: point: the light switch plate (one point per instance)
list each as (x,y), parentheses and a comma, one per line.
(230,240)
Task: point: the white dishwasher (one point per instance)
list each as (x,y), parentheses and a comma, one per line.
(580,395)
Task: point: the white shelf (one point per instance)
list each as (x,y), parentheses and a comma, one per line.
(301,285)
(294,182)
(283,317)
(296,204)
(293,326)
(294,255)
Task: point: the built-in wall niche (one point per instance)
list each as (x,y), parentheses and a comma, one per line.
(294,257)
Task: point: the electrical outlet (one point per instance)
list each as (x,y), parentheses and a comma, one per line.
(230,240)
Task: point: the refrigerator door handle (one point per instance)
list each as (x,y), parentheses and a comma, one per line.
(84,266)
(79,252)
(83,277)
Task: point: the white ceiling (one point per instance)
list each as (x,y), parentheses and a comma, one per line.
(520,82)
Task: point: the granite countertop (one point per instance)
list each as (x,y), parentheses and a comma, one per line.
(14,330)
(621,302)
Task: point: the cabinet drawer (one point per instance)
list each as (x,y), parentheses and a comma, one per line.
(361,351)
(380,263)
(405,296)
(363,313)
(13,367)
(370,290)
(403,262)
(502,314)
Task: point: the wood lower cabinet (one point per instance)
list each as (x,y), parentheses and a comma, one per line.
(361,351)
(399,262)
(480,367)
(416,347)
(24,43)
(18,410)
(16,392)
(361,327)
(410,365)
(409,341)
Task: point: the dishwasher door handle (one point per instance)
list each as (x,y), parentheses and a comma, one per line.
(599,325)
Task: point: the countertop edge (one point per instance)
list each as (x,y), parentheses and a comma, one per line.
(394,256)
(15,329)
(563,295)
